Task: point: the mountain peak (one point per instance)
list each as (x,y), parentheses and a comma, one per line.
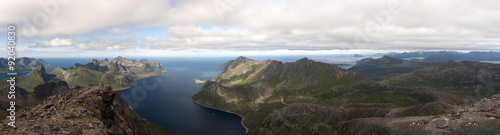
(95,61)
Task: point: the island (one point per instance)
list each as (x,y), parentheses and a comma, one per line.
(198,81)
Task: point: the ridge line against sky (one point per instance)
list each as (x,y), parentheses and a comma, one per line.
(76,28)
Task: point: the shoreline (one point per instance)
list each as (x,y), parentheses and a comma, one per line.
(242,118)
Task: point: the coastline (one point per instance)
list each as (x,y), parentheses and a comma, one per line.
(242,118)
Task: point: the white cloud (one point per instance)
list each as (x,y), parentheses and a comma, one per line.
(117,31)
(56,42)
(280,24)
(151,39)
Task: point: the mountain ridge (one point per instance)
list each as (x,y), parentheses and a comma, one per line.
(23,64)
(386,67)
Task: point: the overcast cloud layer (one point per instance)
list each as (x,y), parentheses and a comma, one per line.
(256,24)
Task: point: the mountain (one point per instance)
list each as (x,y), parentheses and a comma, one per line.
(308,97)
(386,67)
(36,77)
(443,56)
(23,64)
(120,73)
(26,98)
(87,110)
(358,55)
(465,78)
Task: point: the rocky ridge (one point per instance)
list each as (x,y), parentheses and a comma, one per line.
(88,110)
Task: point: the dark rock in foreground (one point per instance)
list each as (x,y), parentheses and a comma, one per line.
(88,110)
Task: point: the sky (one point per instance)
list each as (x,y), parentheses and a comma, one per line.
(82,28)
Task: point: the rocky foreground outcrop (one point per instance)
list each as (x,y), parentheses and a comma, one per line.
(87,110)
(482,117)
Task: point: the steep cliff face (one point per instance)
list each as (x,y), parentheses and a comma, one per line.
(88,110)
(386,67)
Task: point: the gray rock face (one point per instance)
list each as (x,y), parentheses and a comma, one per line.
(481,118)
(88,110)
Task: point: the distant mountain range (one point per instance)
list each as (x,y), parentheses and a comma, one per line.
(23,64)
(386,67)
(308,97)
(120,73)
(443,56)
